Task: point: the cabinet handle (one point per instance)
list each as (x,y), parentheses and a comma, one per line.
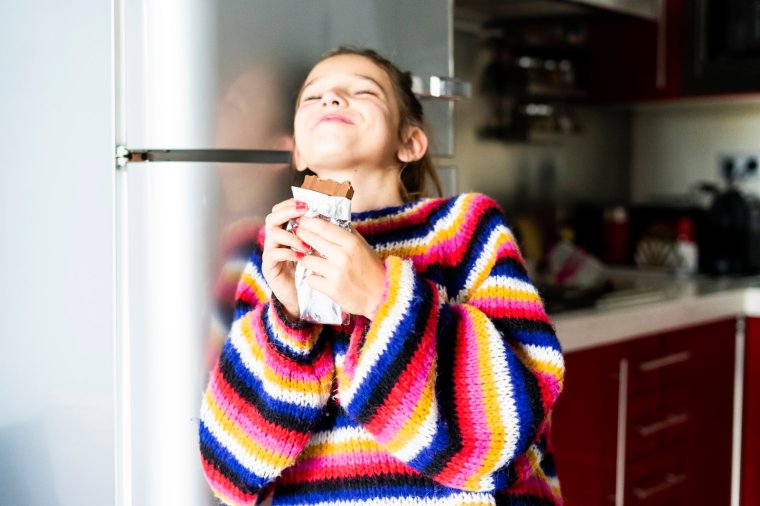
(670,481)
(666,423)
(659,363)
(446,88)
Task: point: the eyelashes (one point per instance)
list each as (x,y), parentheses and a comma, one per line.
(311,98)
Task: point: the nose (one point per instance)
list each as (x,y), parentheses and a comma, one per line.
(332,97)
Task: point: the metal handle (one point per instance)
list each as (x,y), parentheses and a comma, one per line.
(125,155)
(669,421)
(446,88)
(667,360)
(670,481)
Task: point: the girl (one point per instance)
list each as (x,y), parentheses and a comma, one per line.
(439,391)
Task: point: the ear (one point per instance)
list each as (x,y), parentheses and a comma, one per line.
(298,162)
(414,145)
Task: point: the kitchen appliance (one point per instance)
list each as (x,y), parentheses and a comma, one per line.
(722,46)
(732,245)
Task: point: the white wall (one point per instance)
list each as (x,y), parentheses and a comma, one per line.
(677,144)
(56,259)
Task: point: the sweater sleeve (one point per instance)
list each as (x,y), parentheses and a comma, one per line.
(264,395)
(457,387)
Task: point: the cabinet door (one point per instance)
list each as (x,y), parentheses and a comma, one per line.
(750,488)
(584,426)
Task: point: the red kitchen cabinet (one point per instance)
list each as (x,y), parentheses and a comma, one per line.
(750,487)
(649,420)
(633,59)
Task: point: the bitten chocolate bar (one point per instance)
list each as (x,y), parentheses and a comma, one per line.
(328,187)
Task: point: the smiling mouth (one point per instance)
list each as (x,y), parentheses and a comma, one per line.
(335,118)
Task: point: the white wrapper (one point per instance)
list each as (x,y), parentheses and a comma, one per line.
(315,306)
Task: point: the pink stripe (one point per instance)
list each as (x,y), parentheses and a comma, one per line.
(224,487)
(241,419)
(416,388)
(474,399)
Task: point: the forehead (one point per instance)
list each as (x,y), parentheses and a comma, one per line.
(349,65)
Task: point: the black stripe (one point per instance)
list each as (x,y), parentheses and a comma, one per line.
(534,400)
(410,231)
(508,325)
(366,483)
(306,359)
(445,388)
(457,274)
(225,470)
(420,313)
(294,423)
(522,500)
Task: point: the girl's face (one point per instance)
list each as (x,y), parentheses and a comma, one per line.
(347,116)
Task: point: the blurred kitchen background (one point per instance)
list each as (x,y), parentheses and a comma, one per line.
(145,140)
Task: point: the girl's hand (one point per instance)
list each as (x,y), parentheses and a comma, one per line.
(278,258)
(350,273)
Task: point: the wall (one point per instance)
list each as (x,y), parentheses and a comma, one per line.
(677,144)
(589,167)
(56,259)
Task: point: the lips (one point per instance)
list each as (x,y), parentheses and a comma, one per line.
(334,118)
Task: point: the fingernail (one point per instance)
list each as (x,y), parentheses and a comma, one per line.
(300,205)
(306,246)
(299,255)
(295,227)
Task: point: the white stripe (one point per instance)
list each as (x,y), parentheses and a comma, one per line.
(423,437)
(482,263)
(371,354)
(510,283)
(253,271)
(505,395)
(444,223)
(452,500)
(257,368)
(242,456)
(544,354)
(338,436)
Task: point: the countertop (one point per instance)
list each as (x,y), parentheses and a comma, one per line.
(656,302)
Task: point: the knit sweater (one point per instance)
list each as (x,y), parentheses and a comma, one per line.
(444,397)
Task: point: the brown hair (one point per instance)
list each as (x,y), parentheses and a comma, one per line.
(412,178)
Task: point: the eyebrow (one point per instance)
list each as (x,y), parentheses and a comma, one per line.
(361,76)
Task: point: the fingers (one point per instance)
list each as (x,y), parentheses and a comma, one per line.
(277,237)
(327,238)
(284,211)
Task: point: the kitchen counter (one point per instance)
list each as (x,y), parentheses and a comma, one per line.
(655,303)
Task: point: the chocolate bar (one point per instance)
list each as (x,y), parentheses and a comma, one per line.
(328,187)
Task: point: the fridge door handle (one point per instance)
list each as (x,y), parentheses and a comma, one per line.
(125,155)
(445,88)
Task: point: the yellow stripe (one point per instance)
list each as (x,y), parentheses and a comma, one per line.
(263,454)
(329,448)
(255,287)
(539,365)
(298,386)
(422,408)
(507,293)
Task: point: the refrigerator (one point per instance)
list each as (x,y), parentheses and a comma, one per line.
(144,141)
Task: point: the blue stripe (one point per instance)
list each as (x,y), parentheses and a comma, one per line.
(395,347)
(250,478)
(253,382)
(522,399)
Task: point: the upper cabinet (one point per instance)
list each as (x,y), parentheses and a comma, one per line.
(632,51)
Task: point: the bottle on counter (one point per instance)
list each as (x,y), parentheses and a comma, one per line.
(686,247)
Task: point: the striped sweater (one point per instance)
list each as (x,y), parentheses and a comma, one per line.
(443,398)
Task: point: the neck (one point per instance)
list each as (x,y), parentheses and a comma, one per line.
(373,189)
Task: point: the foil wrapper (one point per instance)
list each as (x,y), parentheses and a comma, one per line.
(315,306)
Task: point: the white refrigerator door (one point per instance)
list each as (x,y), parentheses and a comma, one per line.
(199,75)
